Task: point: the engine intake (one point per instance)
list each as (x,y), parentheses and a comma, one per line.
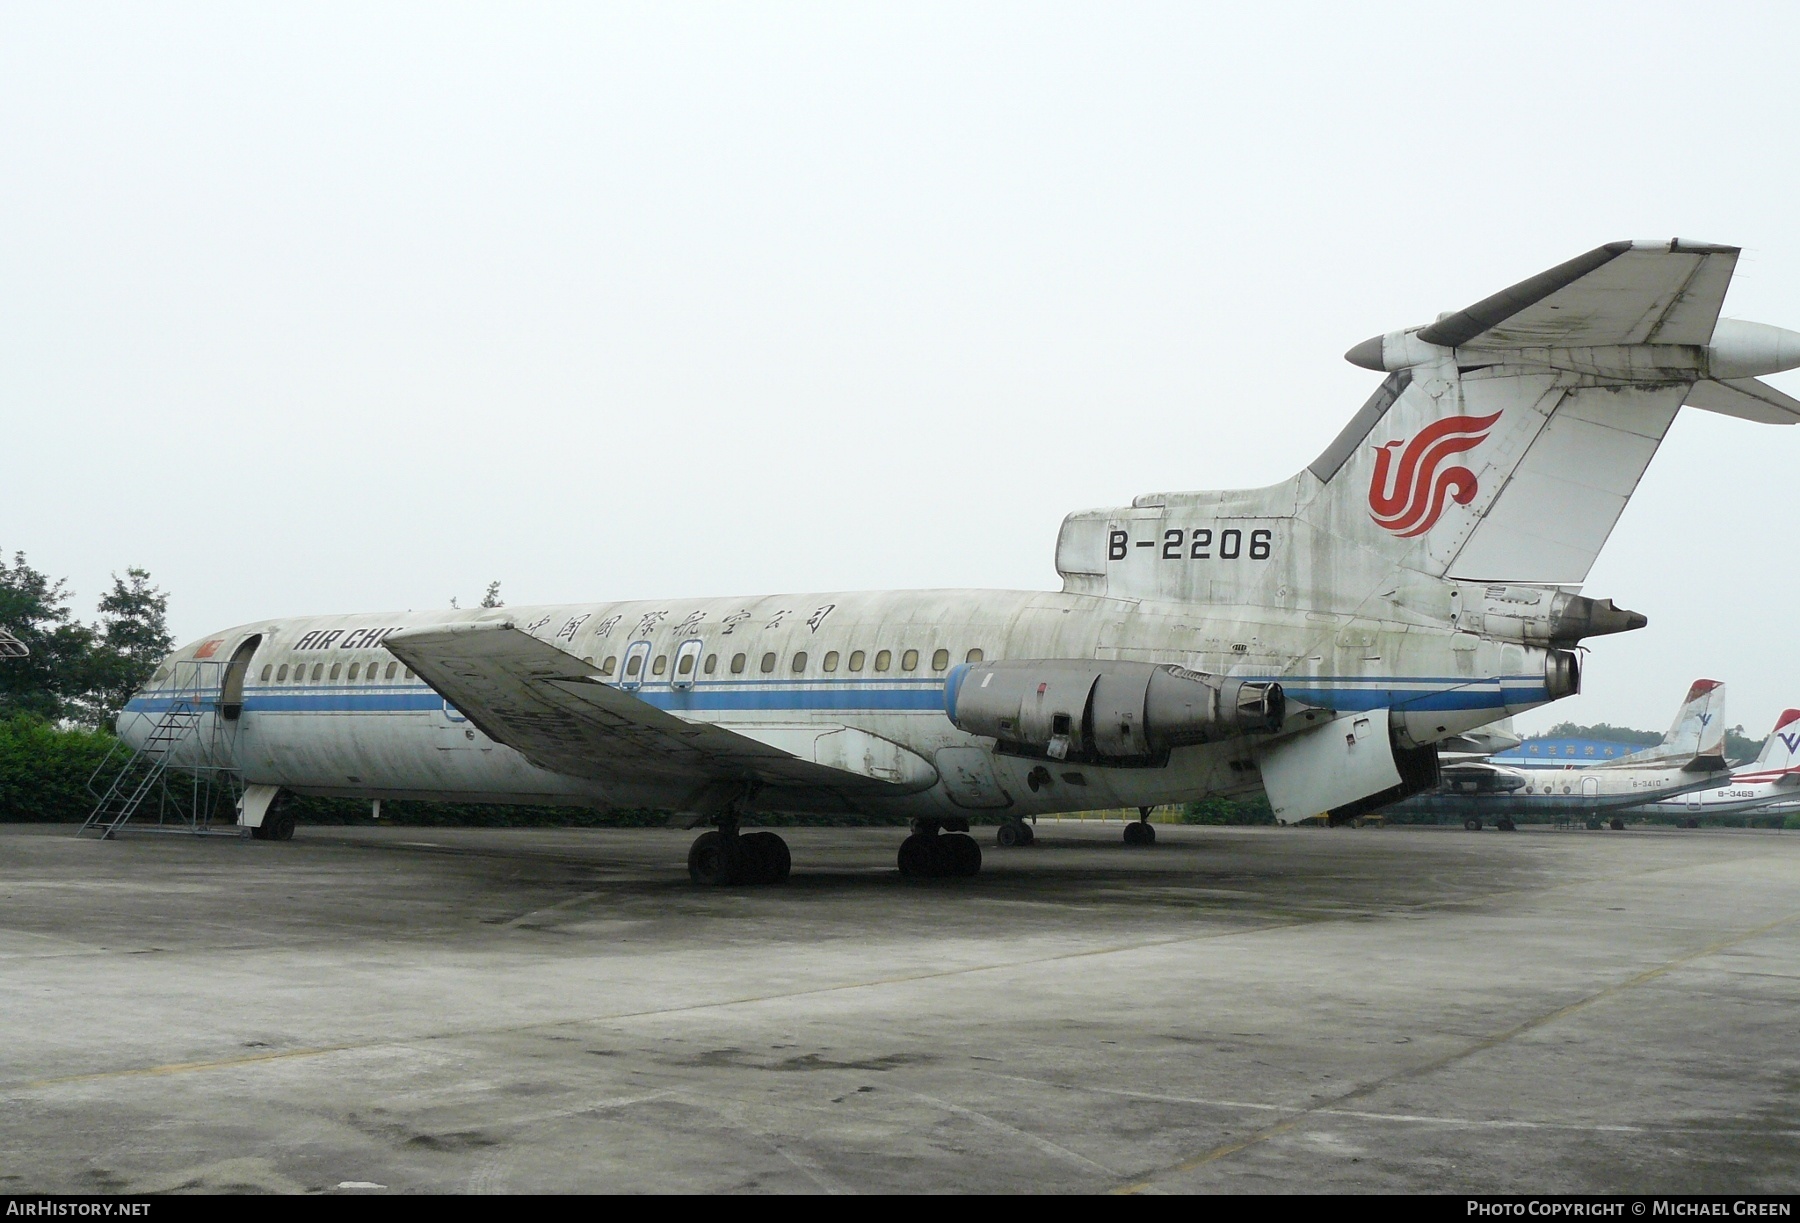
(1106,711)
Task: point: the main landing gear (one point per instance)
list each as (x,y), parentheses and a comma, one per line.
(1142,832)
(932,853)
(1013,833)
(726,856)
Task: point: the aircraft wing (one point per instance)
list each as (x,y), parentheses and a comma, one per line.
(551,708)
(1620,293)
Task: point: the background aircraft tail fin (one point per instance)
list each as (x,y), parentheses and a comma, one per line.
(1781,750)
(1696,739)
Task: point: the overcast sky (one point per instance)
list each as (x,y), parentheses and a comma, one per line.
(334,308)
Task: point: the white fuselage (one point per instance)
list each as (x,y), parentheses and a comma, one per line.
(327,710)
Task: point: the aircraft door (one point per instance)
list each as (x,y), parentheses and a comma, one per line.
(637,661)
(231,688)
(687,664)
(1590,787)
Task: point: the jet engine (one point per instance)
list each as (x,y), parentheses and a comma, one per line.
(1118,712)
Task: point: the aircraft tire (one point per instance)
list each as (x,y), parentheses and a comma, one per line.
(261,831)
(916,857)
(1593,825)
(1473,823)
(1618,823)
(766,858)
(1505,824)
(958,855)
(280,825)
(715,859)
(1140,834)
(1692,824)
(1027,835)
(1007,835)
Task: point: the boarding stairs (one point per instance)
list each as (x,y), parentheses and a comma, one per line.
(173,780)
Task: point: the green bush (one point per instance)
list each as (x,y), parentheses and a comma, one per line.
(44,769)
(1220,810)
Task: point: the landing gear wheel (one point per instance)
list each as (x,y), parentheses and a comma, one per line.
(1593,825)
(1007,836)
(917,856)
(1618,823)
(1691,824)
(715,859)
(1473,823)
(1505,824)
(1140,833)
(958,856)
(279,826)
(948,855)
(766,858)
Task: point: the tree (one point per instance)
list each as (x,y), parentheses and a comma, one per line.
(35,609)
(133,636)
(492,597)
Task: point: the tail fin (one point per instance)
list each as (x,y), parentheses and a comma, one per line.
(1501,448)
(1781,750)
(1696,739)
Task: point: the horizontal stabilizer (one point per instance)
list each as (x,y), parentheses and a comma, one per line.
(1620,293)
(1746,399)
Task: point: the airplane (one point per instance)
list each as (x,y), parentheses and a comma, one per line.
(1315,638)
(1691,756)
(1771,780)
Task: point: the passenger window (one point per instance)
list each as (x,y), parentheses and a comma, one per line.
(799,661)
(882,659)
(390,670)
(909,661)
(265,673)
(355,669)
(856,660)
(737,664)
(612,661)
(830,661)
(409,673)
(633,665)
(974,657)
(940,659)
(281,675)
(712,663)
(768,663)
(335,668)
(318,672)
(373,673)
(660,665)
(685,666)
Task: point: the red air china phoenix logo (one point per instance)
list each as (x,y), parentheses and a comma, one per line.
(1407,497)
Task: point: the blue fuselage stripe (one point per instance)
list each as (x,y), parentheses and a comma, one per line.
(896,695)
